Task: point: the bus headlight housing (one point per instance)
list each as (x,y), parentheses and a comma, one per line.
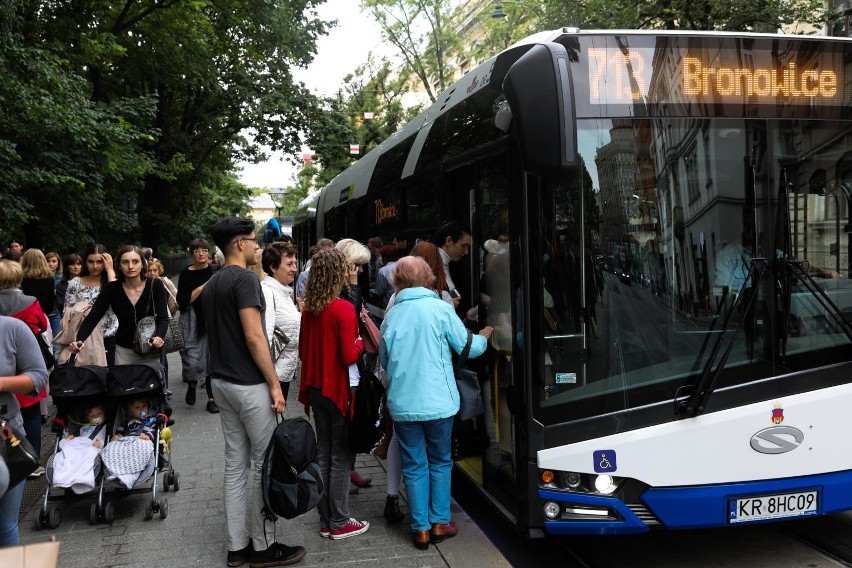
(575,482)
(552,510)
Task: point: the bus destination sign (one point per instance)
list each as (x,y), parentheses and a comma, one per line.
(631,75)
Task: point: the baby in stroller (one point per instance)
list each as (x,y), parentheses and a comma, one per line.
(130,457)
(93,428)
(140,421)
(77,462)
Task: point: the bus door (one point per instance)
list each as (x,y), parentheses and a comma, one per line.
(488,446)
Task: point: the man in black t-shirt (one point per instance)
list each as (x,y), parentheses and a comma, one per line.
(246,388)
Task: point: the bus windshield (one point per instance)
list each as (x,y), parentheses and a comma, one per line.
(675,212)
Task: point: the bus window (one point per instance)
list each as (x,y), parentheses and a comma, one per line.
(693,232)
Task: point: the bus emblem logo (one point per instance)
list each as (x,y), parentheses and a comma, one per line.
(777,440)
(777,413)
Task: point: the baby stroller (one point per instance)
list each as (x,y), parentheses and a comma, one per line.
(75,389)
(131,461)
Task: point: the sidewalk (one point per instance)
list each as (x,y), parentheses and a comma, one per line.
(193,534)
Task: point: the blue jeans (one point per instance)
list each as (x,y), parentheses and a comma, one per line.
(55,320)
(427,466)
(10,505)
(32,426)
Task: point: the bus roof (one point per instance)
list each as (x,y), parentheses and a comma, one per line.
(354,181)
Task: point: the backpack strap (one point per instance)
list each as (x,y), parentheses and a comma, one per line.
(266,472)
(465,352)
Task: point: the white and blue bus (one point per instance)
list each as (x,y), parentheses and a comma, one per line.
(661,240)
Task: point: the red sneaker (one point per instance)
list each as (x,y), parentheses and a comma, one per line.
(325,532)
(359,481)
(351,528)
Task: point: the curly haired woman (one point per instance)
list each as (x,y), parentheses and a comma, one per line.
(328,344)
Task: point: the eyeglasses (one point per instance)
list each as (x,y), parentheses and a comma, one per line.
(201,251)
(254,240)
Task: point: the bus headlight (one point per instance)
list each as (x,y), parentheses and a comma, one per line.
(605,484)
(552,510)
(573,480)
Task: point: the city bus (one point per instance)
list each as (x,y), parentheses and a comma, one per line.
(661,239)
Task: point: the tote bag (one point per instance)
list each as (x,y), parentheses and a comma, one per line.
(470,394)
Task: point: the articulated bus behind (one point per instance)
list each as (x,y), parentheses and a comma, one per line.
(661,240)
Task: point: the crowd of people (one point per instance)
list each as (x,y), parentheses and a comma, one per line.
(231,314)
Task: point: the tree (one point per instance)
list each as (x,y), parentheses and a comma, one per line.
(719,15)
(214,70)
(67,164)
(424,33)
(375,88)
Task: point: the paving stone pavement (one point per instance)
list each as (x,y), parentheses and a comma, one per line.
(193,534)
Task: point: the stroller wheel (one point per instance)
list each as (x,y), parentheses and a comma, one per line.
(109,513)
(176,480)
(165,482)
(164,508)
(93,514)
(149,510)
(53,518)
(38,521)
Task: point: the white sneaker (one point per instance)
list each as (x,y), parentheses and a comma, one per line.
(39,471)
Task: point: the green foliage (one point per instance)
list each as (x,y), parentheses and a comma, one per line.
(67,162)
(145,99)
(423,31)
(718,15)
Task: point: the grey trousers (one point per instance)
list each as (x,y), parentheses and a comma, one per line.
(247,424)
(334,459)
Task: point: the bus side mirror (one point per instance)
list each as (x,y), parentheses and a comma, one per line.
(538,90)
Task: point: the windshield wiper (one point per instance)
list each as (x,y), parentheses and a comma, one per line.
(794,267)
(697,400)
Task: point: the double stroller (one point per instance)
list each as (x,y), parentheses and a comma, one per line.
(112,428)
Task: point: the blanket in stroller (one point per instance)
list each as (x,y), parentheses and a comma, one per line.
(127,458)
(75,465)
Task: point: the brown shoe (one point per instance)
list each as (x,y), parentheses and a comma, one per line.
(421,540)
(440,533)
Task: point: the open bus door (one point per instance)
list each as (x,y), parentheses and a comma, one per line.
(487,447)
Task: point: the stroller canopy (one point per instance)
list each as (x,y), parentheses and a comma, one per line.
(85,380)
(141,377)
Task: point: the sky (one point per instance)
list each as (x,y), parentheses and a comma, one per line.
(338,53)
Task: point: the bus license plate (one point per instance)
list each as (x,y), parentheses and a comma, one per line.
(768,507)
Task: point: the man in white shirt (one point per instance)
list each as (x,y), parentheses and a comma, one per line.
(453,241)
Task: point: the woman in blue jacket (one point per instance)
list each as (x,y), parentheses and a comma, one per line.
(422,397)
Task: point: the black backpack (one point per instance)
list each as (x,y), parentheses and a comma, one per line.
(291,480)
(367,425)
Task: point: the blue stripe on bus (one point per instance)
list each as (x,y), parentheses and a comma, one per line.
(708,505)
(696,507)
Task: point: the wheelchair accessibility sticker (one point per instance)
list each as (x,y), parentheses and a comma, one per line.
(604,461)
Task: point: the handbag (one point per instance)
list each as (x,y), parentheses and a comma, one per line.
(367,411)
(46,351)
(470,394)
(147,326)
(17,453)
(369,333)
(279,339)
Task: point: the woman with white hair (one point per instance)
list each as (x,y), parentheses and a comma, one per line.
(356,255)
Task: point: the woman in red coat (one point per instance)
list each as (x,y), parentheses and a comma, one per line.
(328,344)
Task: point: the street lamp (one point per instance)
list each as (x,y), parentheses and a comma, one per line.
(499,12)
